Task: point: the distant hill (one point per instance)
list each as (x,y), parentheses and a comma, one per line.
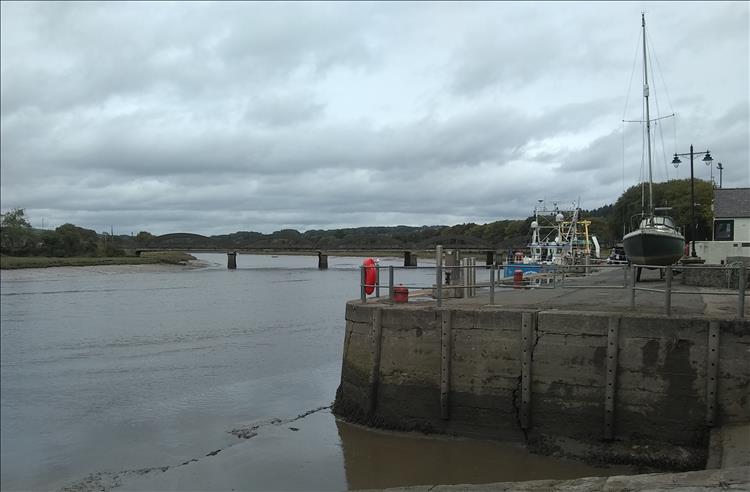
(608,223)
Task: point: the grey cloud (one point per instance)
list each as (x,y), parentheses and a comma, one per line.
(86,53)
(218,117)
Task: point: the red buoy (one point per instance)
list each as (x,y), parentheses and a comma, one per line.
(370,275)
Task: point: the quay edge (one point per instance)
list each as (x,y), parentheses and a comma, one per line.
(460,370)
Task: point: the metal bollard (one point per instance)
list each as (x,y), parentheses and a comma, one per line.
(741,282)
(668,292)
(232,260)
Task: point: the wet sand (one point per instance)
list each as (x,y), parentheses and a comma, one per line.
(56,271)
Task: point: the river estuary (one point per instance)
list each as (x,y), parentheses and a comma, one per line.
(135,377)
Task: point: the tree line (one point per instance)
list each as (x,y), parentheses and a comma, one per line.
(18,238)
(608,223)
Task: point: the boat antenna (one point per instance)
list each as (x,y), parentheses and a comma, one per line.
(648,120)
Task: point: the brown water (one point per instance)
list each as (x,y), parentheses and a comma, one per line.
(118,376)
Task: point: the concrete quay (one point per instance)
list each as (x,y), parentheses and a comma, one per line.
(571,372)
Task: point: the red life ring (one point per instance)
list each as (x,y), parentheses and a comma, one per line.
(370,275)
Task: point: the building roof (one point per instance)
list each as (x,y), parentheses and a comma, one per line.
(731,202)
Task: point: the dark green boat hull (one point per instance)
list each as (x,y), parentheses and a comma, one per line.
(650,247)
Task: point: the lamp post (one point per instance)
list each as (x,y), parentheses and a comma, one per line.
(676,162)
(720,168)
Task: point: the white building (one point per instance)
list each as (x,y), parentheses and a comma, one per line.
(731,231)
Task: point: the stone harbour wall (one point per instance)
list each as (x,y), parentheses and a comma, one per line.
(624,388)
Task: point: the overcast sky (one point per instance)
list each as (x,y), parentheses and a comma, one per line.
(218,117)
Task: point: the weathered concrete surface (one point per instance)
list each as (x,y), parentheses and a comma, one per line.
(737,478)
(661,398)
(713,277)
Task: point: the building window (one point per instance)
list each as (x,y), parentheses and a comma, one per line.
(724,230)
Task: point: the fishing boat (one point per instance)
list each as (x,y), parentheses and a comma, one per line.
(656,241)
(558,237)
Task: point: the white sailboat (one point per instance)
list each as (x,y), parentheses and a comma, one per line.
(656,241)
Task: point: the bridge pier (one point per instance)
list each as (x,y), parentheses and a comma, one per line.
(232,260)
(410,259)
(490,259)
(322,261)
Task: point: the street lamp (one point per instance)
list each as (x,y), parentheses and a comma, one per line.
(676,161)
(709,162)
(720,168)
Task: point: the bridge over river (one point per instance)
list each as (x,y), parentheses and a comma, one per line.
(356,244)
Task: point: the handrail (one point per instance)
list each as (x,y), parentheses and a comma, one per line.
(558,280)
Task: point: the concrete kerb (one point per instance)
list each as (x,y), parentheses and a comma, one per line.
(737,478)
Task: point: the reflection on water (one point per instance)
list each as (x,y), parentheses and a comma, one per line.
(121,368)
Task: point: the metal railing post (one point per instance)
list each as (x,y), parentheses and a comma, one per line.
(377,280)
(741,281)
(439,274)
(625,276)
(492,285)
(390,282)
(471,276)
(362,293)
(474,277)
(668,291)
(632,286)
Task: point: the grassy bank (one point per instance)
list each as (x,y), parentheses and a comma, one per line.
(167,257)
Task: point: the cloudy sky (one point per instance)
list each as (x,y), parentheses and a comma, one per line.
(218,117)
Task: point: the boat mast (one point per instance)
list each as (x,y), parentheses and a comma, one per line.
(648,120)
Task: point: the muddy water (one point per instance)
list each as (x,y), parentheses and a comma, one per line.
(107,372)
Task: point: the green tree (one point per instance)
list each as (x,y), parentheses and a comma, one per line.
(143,237)
(674,194)
(76,241)
(16,235)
